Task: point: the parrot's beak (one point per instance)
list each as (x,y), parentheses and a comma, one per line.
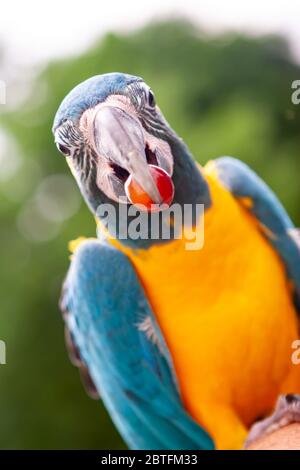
(119,139)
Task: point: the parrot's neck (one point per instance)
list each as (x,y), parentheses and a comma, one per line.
(191,190)
(190,185)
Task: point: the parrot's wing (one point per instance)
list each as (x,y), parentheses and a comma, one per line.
(116,341)
(274,221)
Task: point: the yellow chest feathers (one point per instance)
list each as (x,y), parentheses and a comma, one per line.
(221,309)
(236,264)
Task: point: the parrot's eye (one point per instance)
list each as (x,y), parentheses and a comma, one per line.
(63,149)
(151,99)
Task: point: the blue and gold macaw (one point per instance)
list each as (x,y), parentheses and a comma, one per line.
(187,348)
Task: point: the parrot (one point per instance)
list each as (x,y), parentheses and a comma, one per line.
(187,348)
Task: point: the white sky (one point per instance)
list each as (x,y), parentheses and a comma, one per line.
(34,31)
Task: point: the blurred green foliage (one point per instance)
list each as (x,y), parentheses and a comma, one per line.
(225,95)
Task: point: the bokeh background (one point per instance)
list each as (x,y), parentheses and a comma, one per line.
(224,84)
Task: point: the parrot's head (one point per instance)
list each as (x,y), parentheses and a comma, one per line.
(116,141)
(120,148)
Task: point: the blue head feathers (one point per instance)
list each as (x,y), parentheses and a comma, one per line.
(91,92)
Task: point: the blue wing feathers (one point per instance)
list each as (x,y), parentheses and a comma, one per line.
(243,182)
(134,376)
